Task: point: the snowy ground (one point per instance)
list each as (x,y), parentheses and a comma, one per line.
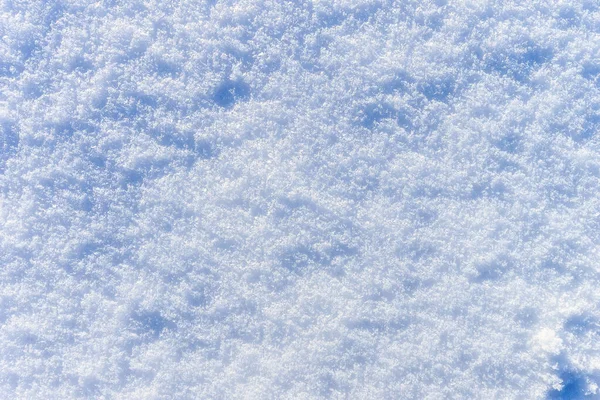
(345,199)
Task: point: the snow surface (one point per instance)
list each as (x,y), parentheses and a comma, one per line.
(255,199)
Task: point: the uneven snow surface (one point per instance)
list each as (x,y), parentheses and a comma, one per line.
(345,199)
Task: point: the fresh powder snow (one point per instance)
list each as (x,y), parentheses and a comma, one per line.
(309,199)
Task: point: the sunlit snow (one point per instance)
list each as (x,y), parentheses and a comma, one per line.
(337,199)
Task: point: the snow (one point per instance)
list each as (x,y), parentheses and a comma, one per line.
(259,199)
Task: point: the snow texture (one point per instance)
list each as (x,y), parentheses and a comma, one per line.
(270,199)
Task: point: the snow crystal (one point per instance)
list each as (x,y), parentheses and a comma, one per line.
(261,199)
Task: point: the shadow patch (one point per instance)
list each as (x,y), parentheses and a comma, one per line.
(492,271)
(151,324)
(230,92)
(437,89)
(9,143)
(373,113)
(574,387)
(518,64)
